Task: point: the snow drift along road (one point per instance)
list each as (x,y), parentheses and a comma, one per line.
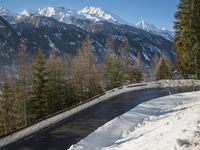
(167,123)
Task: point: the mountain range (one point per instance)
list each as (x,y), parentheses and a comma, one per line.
(65,29)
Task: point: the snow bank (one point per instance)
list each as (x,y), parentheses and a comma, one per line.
(170,122)
(46,123)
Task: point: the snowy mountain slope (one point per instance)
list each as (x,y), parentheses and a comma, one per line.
(48,33)
(98,14)
(153,29)
(140,41)
(64,30)
(34,27)
(9,42)
(163,123)
(94,14)
(59,13)
(7,14)
(66,15)
(146,26)
(25,13)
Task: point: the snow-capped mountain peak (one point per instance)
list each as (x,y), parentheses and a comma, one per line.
(51,11)
(146,26)
(91,13)
(48,11)
(155,30)
(99,14)
(59,13)
(5,12)
(27,12)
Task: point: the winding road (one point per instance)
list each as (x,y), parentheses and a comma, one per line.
(71,130)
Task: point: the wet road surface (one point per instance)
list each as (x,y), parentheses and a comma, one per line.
(71,130)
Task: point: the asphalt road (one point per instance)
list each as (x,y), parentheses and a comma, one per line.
(69,131)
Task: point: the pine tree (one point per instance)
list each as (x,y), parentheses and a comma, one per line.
(196,35)
(137,75)
(163,70)
(137,69)
(39,100)
(187,41)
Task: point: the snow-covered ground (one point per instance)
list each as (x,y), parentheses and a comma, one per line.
(167,123)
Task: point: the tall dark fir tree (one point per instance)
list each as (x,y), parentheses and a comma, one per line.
(39,100)
(163,69)
(187,41)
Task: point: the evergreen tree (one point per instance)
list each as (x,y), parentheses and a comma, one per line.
(137,75)
(39,100)
(137,67)
(187,41)
(163,70)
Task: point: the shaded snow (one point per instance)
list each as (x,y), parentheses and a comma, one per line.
(164,123)
(178,128)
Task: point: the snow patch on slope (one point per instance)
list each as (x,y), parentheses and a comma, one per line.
(153,29)
(7,14)
(28,12)
(51,44)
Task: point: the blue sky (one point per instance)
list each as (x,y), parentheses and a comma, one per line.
(158,12)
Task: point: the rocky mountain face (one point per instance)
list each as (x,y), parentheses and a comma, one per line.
(47,33)
(65,29)
(141,42)
(153,29)
(7,14)
(9,42)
